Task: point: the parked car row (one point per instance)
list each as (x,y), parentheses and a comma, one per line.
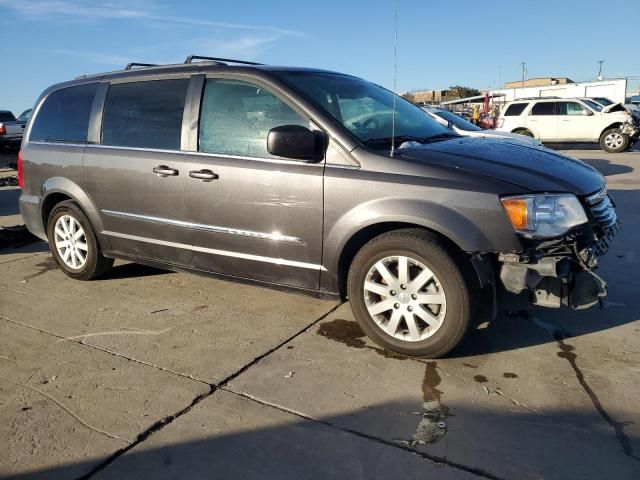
(312,180)
(12,128)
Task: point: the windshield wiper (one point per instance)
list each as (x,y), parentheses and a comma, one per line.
(408,138)
(397,138)
(439,136)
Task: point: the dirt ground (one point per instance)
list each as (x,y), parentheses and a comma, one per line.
(152,374)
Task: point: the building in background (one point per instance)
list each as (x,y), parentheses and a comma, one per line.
(614,88)
(538,82)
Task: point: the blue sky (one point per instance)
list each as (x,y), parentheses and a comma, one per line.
(440,43)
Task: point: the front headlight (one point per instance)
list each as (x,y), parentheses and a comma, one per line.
(544,215)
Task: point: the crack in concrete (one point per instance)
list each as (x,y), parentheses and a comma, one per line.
(22,258)
(163,422)
(105,350)
(67,409)
(406,447)
(567,352)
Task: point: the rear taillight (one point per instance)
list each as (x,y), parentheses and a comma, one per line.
(20,171)
(500,122)
(3,129)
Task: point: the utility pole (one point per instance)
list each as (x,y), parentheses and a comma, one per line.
(600,69)
(524,71)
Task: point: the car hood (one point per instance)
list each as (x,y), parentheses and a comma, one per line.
(533,168)
(495,134)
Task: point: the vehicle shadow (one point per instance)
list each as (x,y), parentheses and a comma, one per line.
(608,168)
(228,436)
(131,270)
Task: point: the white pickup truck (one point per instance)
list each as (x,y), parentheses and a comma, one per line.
(10,130)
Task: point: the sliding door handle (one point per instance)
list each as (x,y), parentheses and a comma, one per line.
(164,171)
(204,175)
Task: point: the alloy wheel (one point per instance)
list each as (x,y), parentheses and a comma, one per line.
(614,140)
(71,242)
(404,298)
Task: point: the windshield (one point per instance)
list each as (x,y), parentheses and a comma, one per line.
(605,102)
(596,106)
(25,116)
(366,110)
(456,120)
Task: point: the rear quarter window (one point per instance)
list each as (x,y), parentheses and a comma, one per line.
(64,115)
(515,109)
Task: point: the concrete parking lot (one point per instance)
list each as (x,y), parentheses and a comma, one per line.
(153,374)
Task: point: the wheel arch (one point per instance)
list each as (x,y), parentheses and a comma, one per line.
(612,125)
(59,189)
(524,129)
(369,232)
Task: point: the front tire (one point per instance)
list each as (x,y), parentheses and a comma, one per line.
(614,141)
(409,294)
(73,243)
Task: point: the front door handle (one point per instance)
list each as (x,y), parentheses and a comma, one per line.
(204,175)
(164,171)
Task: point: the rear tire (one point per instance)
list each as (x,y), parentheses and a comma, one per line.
(73,243)
(614,141)
(425,312)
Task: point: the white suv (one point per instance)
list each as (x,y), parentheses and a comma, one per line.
(570,120)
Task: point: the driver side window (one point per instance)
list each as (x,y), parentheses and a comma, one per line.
(236,116)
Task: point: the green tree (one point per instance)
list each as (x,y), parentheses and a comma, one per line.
(463,92)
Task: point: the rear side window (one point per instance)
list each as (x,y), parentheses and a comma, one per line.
(544,108)
(515,109)
(64,115)
(145,114)
(236,116)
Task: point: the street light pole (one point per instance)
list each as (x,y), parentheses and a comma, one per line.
(600,69)
(524,69)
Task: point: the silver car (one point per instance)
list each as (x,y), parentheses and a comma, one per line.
(468,129)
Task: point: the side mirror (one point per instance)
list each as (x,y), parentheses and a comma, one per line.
(296,141)
(587,112)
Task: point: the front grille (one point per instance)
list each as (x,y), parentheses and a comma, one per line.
(604,214)
(603,210)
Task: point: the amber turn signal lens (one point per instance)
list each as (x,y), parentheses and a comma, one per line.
(517,210)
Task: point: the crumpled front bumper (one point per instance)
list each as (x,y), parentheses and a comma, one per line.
(631,129)
(560,272)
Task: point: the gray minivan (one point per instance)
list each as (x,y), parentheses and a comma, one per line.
(311,180)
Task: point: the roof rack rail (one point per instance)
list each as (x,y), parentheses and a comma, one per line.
(136,64)
(220,61)
(537,98)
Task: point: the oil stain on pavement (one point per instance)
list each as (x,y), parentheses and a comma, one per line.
(432,426)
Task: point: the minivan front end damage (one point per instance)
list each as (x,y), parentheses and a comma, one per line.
(561,271)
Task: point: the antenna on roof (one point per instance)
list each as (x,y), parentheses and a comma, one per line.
(395,71)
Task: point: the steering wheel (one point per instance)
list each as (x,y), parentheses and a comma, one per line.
(373,121)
